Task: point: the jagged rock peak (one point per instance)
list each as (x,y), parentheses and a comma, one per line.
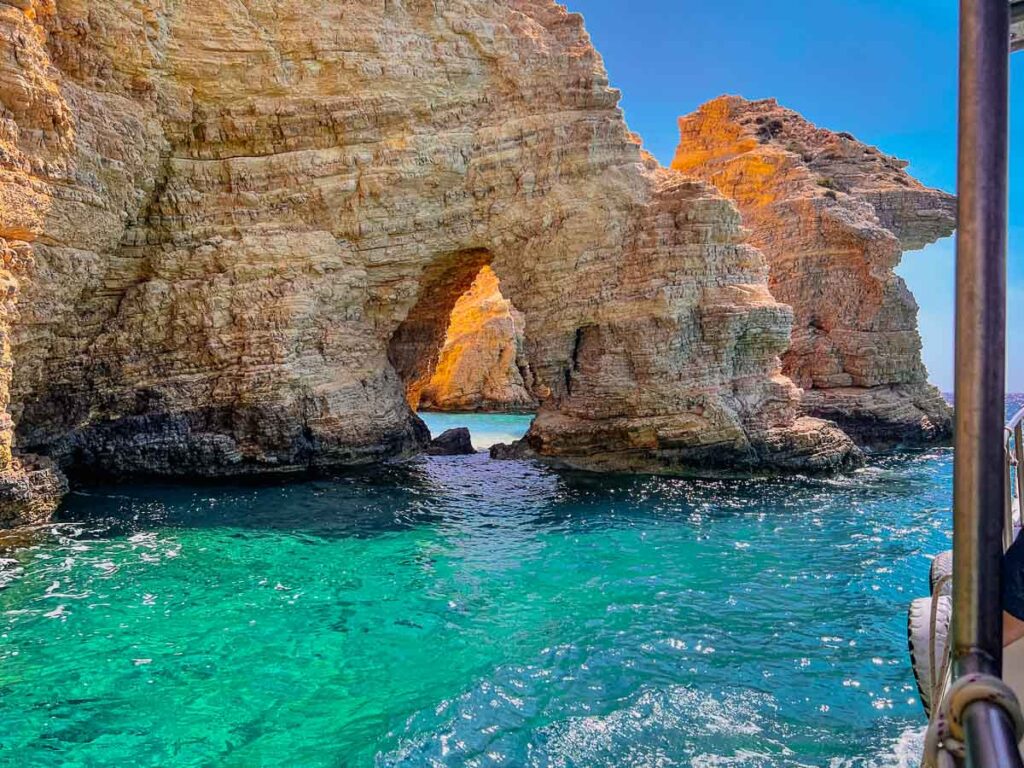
(833,216)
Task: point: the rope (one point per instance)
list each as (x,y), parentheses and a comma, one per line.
(933,688)
(945,735)
(973,688)
(938,743)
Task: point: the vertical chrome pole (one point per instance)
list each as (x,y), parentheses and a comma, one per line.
(979,477)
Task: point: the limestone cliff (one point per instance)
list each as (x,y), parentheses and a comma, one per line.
(833,217)
(482,365)
(244,224)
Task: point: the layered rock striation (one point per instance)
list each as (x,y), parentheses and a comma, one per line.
(234,233)
(482,365)
(243,226)
(679,369)
(833,217)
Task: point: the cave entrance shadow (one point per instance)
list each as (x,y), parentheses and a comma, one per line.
(462,346)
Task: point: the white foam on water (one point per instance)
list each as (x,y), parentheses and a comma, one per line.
(904,752)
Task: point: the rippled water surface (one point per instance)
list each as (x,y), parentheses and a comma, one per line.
(462,611)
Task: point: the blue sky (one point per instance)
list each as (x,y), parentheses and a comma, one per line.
(882,70)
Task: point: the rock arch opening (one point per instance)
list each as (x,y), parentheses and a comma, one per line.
(462,346)
(482,364)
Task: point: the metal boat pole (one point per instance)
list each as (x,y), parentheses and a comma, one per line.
(978,476)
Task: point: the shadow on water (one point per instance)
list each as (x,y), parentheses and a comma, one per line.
(466,490)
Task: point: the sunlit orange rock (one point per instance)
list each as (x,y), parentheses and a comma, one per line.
(833,217)
(482,365)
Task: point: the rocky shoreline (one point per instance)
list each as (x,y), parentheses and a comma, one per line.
(233,238)
(832,217)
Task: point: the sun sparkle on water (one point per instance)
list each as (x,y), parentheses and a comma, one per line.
(458,610)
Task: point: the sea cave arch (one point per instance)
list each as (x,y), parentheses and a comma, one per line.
(218,279)
(462,346)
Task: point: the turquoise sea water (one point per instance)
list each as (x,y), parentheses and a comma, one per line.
(460,611)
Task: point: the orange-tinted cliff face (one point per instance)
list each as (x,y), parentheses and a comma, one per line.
(833,217)
(482,365)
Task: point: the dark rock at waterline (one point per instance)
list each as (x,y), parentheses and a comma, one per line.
(453,442)
(31,488)
(508,451)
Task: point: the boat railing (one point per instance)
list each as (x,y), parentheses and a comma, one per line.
(1013,442)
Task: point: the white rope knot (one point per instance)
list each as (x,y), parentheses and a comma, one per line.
(971,688)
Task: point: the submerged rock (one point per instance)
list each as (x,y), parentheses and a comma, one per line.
(452,442)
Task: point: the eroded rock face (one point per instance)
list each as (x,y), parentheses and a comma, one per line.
(833,217)
(482,365)
(31,489)
(242,227)
(678,371)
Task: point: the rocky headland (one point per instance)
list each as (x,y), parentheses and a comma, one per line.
(234,233)
(832,217)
